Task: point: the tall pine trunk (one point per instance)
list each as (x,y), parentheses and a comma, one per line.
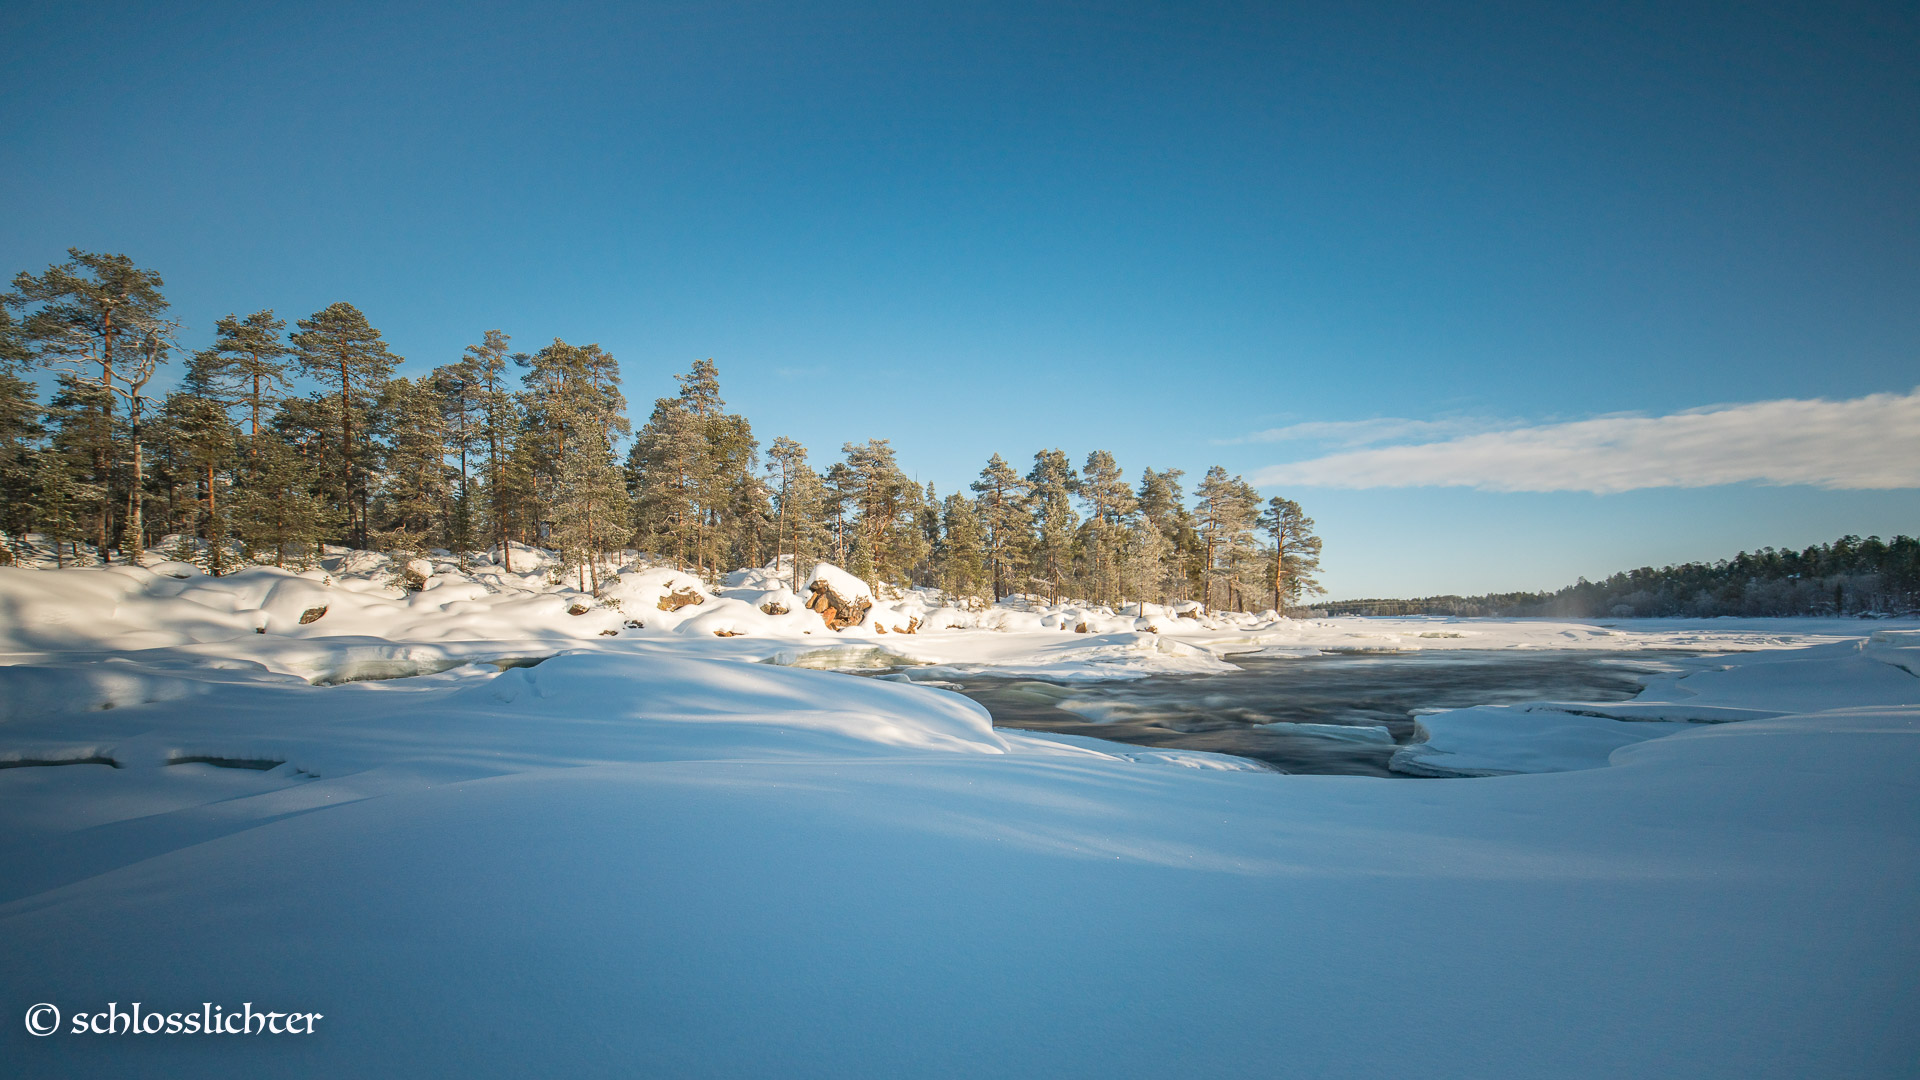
(346,454)
(101,462)
(136,520)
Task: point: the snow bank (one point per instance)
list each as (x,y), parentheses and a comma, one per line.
(1563,736)
(1492,740)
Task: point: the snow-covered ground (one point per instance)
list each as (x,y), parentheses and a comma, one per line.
(566,844)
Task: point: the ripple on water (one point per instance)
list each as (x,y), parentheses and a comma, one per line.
(1340,714)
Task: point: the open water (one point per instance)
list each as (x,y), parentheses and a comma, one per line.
(1315,714)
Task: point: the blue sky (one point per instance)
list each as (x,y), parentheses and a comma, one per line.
(1154,229)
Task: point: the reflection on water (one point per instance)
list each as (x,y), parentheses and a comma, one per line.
(1316,714)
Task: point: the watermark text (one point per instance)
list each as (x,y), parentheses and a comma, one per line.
(136,1019)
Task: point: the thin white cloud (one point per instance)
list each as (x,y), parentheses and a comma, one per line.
(1367,432)
(1865,443)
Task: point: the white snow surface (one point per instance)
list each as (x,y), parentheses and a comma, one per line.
(484,837)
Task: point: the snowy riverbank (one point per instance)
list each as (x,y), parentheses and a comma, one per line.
(643,854)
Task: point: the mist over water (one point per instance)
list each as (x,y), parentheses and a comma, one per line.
(1340,715)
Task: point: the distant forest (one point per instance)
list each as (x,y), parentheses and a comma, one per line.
(1849,576)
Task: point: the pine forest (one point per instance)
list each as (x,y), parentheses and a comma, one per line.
(279,439)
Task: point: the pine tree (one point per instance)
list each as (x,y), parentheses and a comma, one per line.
(785,458)
(690,475)
(246,365)
(103,311)
(1051,484)
(482,373)
(574,399)
(1228,507)
(883,500)
(726,491)
(962,550)
(1154,548)
(83,432)
(278,507)
(800,505)
(58,499)
(457,394)
(665,474)
(20,433)
(1110,506)
(337,348)
(925,541)
(1001,499)
(747,530)
(415,491)
(513,498)
(1296,552)
(1149,562)
(198,444)
(844,537)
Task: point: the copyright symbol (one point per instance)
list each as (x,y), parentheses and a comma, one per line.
(43,1019)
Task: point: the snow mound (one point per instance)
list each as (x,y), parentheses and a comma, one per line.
(849,587)
(697,695)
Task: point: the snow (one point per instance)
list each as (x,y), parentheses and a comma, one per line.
(1490,740)
(850,588)
(666,852)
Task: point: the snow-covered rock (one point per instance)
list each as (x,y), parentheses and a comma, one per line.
(841,599)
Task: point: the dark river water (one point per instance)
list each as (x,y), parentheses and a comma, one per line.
(1260,711)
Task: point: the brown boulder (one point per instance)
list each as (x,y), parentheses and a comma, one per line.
(837,610)
(680,598)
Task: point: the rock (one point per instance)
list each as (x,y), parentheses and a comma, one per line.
(726,633)
(773,608)
(312,615)
(679,598)
(413,577)
(1080,629)
(578,609)
(634,624)
(837,610)
(609,633)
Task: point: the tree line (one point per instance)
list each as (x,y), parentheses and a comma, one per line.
(502,446)
(1848,576)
